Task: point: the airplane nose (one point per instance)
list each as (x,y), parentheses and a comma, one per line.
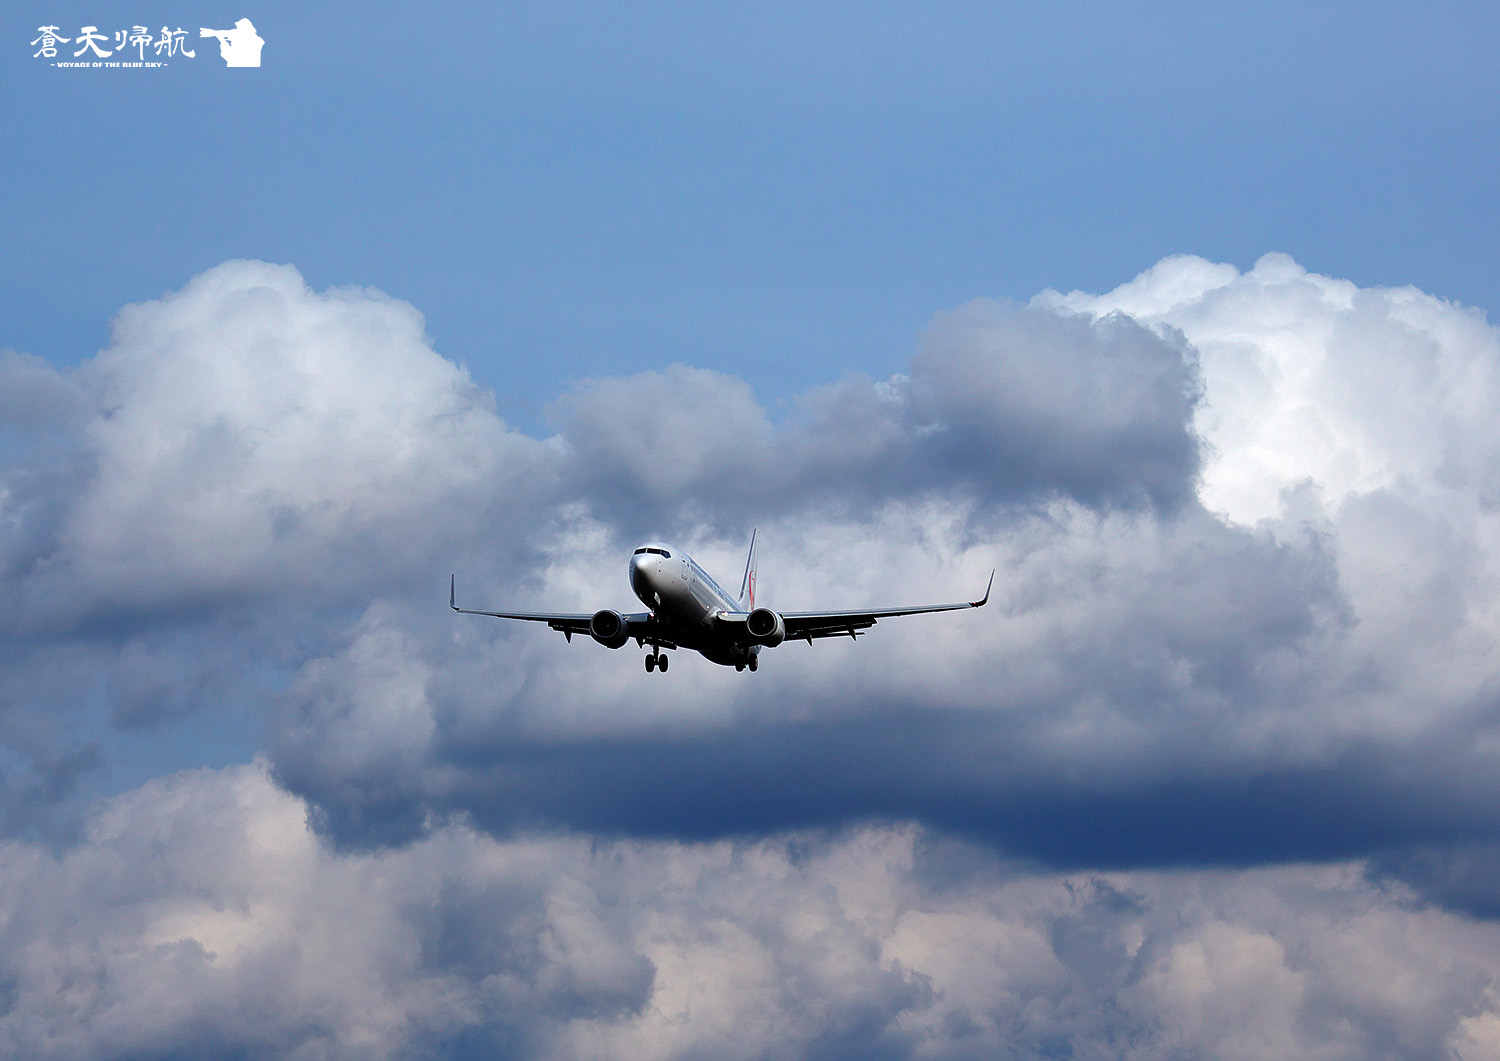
(640,564)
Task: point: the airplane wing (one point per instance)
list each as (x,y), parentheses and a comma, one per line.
(637,624)
(805,626)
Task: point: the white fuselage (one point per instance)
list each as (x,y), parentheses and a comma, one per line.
(685,597)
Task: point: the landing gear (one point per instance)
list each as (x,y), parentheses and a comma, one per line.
(657,659)
(753,663)
(650,663)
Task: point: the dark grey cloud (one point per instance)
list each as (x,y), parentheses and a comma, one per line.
(1027,401)
(952,770)
(1228,719)
(252,462)
(1004,405)
(1157,683)
(248,461)
(1166,660)
(200,914)
(34,397)
(1460,875)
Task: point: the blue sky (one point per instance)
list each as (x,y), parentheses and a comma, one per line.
(1178,320)
(786,192)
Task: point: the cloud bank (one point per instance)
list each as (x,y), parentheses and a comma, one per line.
(1244,624)
(200,916)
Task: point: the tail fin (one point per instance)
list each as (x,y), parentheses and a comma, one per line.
(747,586)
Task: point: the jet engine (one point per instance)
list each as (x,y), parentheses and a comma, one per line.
(765,627)
(608,628)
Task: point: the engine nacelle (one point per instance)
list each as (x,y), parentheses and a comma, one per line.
(608,628)
(765,627)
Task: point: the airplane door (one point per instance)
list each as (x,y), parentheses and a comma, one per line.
(684,570)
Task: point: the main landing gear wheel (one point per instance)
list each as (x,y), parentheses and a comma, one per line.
(753,663)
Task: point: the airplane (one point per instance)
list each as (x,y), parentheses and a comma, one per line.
(690,610)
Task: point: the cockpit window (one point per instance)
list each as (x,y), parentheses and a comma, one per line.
(658,552)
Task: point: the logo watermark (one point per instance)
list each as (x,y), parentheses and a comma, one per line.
(239,46)
(127,48)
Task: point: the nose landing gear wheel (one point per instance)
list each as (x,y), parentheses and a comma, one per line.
(661,662)
(650,663)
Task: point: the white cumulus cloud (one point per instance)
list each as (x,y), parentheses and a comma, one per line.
(1245,616)
(200,915)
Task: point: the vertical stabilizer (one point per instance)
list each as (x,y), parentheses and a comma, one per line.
(747,585)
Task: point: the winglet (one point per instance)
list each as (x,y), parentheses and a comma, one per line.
(452,590)
(986,599)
